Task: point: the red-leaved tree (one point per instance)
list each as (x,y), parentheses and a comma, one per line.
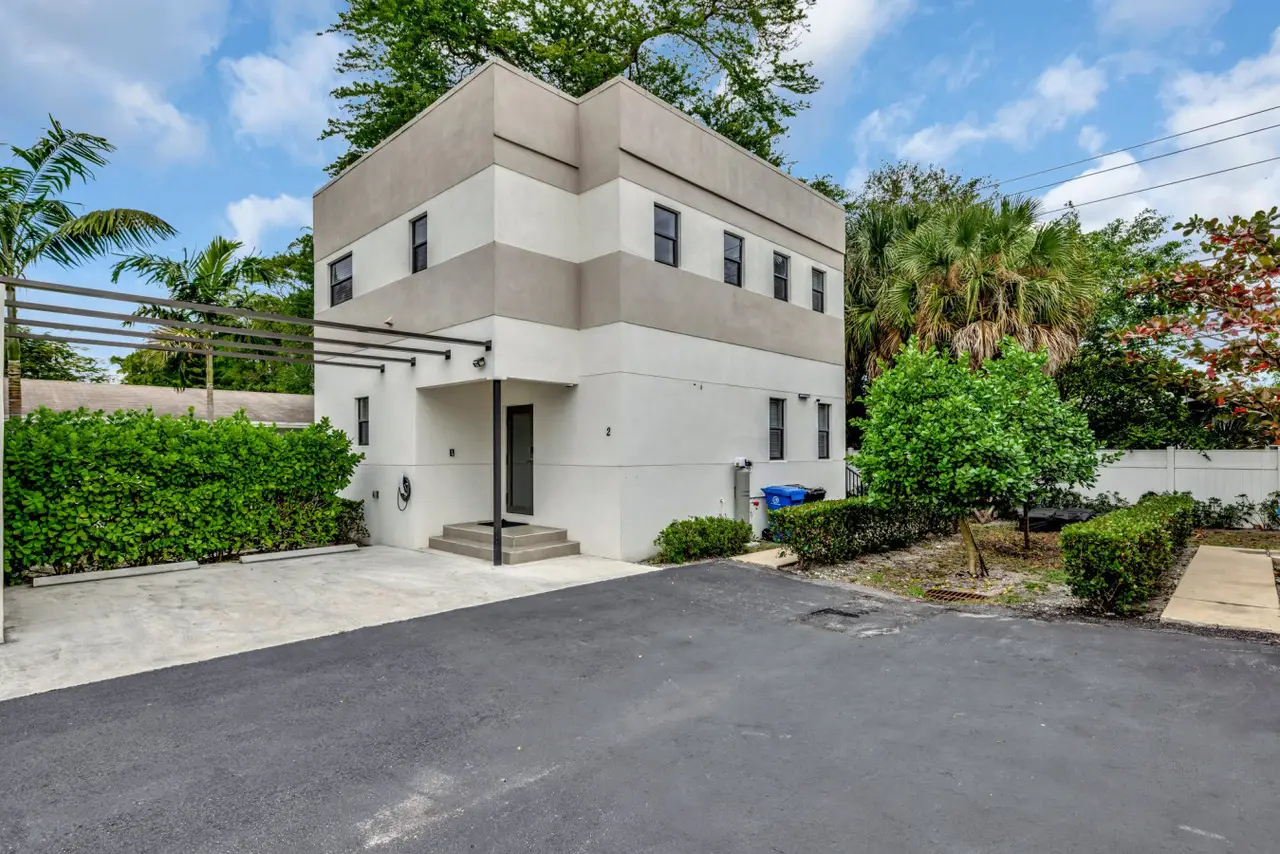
(1224,315)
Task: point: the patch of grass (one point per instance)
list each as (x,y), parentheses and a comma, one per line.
(1238,539)
(1055,576)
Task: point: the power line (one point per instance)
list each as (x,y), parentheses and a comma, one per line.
(1159,186)
(1149,159)
(1138,145)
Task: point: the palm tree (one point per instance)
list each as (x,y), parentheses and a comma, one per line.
(37,224)
(973,274)
(215,275)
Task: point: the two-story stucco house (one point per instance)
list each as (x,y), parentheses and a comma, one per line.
(659,302)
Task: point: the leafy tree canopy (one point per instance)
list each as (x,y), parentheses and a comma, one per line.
(940,436)
(1223,317)
(907,183)
(725,62)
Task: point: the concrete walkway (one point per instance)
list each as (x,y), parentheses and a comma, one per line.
(773,558)
(1226,587)
(78,633)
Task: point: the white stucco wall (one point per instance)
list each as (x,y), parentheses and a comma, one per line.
(633,427)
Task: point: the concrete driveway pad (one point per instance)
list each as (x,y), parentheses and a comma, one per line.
(73,634)
(705,709)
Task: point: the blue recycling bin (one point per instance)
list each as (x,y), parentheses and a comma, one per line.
(783,496)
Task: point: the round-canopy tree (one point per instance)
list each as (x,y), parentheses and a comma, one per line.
(947,439)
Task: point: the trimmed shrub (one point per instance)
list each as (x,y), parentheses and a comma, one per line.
(1114,561)
(701,537)
(85,491)
(828,532)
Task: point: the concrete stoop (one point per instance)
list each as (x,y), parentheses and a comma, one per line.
(520,543)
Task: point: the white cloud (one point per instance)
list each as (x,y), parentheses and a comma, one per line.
(282,98)
(1147,20)
(254,216)
(1062,92)
(840,31)
(1193,100)
(107,67)
(177,136)
(1091,139)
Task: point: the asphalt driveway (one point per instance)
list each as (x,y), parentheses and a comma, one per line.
(693,710)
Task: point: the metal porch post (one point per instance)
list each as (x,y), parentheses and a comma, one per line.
(497,472)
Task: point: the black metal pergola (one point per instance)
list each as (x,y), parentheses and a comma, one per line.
(357,352)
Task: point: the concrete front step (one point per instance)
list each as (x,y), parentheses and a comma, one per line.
(512,538)
(510,555)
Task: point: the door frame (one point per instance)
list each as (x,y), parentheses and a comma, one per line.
(511,508)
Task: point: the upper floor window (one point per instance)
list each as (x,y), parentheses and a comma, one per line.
(819,290)
(777,428)
(362,420)
(824,431)
(733,259)
(666,236)
(419,233)
(781,277)
(340,280)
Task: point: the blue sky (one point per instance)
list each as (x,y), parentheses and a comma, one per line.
(215,105)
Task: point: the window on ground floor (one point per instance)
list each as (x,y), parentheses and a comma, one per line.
(362,420)
(824,431)
(777,427)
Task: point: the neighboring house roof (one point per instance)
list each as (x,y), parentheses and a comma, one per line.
(269,407)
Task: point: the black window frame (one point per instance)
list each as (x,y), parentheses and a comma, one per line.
(824,431)
(742,244)
(362,422)
(335,285)
(780,429)
(785,278)
(414,245)
(673,238)
(819,285)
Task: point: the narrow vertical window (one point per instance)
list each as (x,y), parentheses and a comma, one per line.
(340,281)
(819,290)
(362,420)
(733,259)
(666,236)
(824,431)
(777,428)
(781,277)
(418,230)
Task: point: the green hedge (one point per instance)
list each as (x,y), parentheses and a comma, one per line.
(1115,561)
(85,491)
(827,532)
(702,537)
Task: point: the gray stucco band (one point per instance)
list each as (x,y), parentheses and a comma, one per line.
(500,115)
(492,279)
(620,287)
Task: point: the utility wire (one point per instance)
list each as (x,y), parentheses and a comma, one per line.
(1132,147)
(1149,159)
(1159,186)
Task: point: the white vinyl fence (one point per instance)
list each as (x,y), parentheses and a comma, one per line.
(1205,474)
